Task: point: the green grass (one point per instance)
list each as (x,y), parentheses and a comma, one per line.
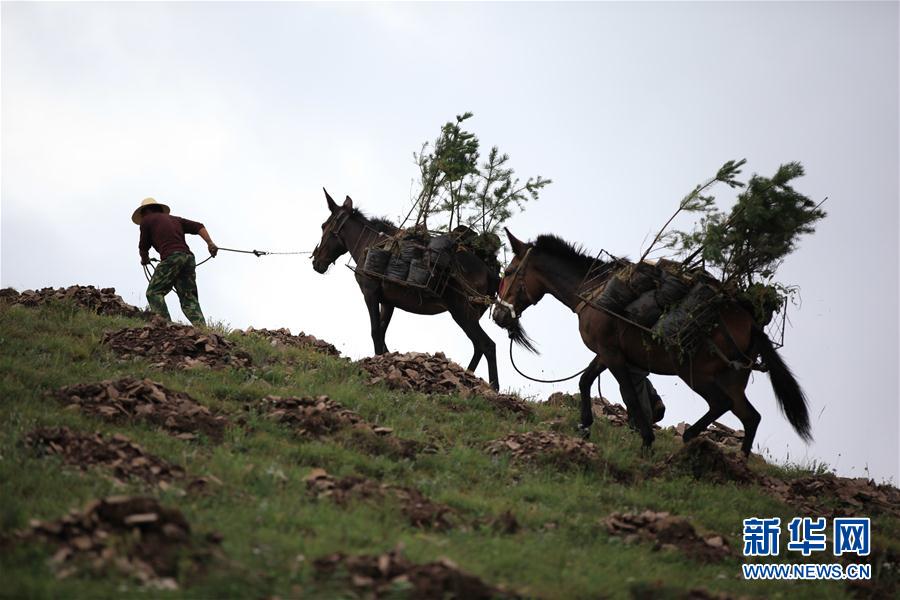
(273,528)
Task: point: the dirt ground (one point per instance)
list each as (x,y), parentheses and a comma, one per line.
(708,460)
(386,574)
(435,374)
(131,399)
(321,416)
(422,372)
(117,453)
(283,337)
(421,511)
(103,301)
(667,532)
(822,494)
(531,446)
(134,535)
(169,345)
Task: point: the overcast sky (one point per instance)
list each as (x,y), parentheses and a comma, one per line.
(238,114)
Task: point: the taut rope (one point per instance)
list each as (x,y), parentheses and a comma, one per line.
(257,253)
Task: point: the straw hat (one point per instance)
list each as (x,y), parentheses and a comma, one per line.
(136,215)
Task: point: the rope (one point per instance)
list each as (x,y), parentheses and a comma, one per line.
(535,378)
(257,253)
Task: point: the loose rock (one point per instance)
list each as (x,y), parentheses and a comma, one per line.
(103,301)
(817,495)
(421,511)
(435,374)
(667,531)
(421,372)
(510,403)
(283,337)
(169,345)
(717,432)
(321,416)
(131,399)
(117,453)
(615,414)
(546,446)
(707,460)
(135,535)
(312,417)
(391,572)
(832,496)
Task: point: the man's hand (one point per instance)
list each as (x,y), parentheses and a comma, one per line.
(145,261)
(213,249)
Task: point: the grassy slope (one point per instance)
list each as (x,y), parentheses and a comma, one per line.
(272,528)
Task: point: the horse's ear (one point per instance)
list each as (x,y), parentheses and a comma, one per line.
(518,246)
(332,205)
(348,203)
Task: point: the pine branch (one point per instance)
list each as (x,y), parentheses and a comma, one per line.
(726,174)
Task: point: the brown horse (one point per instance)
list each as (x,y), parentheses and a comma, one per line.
(349,230)
(551,265)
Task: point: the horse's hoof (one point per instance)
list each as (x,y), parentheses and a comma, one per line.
(584,432)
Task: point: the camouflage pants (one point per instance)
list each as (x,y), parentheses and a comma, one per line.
(178,270)
(651,404)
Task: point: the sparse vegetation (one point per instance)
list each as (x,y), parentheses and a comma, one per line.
(273,527)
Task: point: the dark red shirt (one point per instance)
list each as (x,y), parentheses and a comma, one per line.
(166,234)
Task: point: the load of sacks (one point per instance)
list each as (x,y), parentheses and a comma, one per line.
(419,258)
(672,304)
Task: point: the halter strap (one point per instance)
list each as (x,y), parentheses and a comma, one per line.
(515,279)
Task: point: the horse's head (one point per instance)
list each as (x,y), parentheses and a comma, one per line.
(519,289)
(332,245)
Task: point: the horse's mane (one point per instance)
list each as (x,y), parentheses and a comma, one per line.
(559,248)
(382,224)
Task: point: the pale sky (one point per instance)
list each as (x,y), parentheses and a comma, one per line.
(238,114)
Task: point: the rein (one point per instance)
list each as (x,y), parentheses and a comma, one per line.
(518,282)
(515,279)
(512,360)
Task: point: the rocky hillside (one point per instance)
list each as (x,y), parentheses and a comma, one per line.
(138,456)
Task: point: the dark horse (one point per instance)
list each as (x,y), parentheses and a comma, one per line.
(348,230)
(551,265)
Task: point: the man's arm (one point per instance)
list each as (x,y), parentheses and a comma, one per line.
(194,227)
(213,249)
(144,244)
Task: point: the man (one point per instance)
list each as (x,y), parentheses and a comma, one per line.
(651,404)
(177,266)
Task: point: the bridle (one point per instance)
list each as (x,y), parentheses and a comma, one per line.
(518,282)
(332,228)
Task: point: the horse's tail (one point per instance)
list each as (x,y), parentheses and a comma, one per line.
(791,398)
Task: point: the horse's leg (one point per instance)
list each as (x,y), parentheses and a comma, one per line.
(476,358)
(719,403)
(375,323)
(481,342)
(387,311)
(750,419)
(735,384)
(591,373)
